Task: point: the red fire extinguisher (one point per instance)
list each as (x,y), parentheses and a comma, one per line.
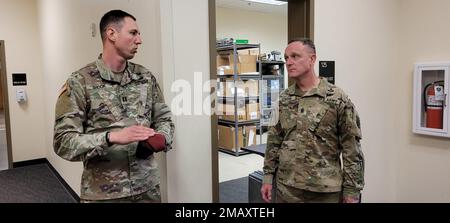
(434,97)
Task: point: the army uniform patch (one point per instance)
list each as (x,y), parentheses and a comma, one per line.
(63,89)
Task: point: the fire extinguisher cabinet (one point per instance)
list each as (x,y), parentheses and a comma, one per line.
(431,88)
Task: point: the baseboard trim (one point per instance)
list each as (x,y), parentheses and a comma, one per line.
(29,163)
(63,182)
(45,161)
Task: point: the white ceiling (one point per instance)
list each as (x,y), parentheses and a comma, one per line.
(252,6)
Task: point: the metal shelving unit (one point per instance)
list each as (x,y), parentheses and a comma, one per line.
(238,123)
(242,77)
(236,47)
(228,50)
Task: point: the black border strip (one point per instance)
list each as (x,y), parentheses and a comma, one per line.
(29,163)
(60,179)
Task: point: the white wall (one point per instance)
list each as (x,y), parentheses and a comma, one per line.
(185,40)
(23,55)
(270,30)
(422,162)
(375,56)
(362,37)
(68,46)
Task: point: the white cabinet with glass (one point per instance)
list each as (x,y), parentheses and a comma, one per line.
(431,87)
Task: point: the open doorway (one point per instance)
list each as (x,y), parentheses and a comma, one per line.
(255,35)
(5,138)
(242,21)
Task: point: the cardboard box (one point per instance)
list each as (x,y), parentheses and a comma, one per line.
(227,137)
(226,111)
(248,63)
(224,65)
(226,88)
(245,64)
(246,137)
(251,88)
(248,88)
(221,89)
(250,136)
(249,52)
(252,110)
(245,112)
(227,107)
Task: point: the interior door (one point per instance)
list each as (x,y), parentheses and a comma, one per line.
(5,137)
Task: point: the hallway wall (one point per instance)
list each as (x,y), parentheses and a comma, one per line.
(186,60)
(362,37)
(375,45)
(19,29)
(423,167)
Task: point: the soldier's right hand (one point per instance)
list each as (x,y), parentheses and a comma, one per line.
(131,134)
(266,192)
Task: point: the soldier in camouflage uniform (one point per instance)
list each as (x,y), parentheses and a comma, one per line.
(105,112)
(318,125)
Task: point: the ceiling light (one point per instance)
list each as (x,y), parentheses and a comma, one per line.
(270,2)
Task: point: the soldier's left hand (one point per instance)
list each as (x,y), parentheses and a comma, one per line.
(350,200)
(131,134)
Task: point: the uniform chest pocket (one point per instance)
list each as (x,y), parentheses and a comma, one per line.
(289,115)
(130,96)
(103,105)
(317,115)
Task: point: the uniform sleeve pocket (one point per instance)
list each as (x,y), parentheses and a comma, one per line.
(356,129)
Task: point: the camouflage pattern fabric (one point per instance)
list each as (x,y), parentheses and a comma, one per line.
(287,194)
(315,129)
(151,196)
(93,101)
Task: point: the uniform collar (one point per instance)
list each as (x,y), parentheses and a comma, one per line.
(320,90)
(108,75)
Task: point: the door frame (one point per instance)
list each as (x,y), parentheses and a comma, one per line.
(300,24)
(214,118)
(4,84)
(300,21)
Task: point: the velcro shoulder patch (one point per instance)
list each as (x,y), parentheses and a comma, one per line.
(64,88)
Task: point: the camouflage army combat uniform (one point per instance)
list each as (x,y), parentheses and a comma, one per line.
(94,101)
(304,147)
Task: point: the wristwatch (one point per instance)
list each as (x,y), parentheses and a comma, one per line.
(107,139)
